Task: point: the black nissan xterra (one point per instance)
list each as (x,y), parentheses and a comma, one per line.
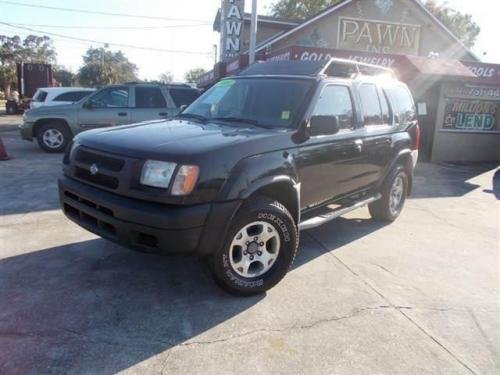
(283,146)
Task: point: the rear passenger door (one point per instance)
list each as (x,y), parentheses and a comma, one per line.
(328,165)
(376,133)
(150,104)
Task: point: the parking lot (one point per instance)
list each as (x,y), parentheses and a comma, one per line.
(421,295)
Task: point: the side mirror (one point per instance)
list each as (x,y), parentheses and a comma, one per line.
(323,125)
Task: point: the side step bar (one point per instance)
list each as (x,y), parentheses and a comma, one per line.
(322,219)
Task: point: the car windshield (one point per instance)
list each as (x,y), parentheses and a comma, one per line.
(258,101)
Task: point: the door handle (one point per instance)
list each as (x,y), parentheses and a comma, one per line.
(122,113)
(163,114)
(358,145)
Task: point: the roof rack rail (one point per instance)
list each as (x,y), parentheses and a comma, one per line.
(336,67)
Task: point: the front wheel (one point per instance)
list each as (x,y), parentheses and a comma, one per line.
(394,192)
(259,248)
(53,137)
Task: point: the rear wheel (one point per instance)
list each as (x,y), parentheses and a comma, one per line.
(394,192)
(259,248)
(53,137)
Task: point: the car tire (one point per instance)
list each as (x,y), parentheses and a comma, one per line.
(394,192)
(53,137)
(258,250)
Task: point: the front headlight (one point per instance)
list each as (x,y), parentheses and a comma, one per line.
(157,173)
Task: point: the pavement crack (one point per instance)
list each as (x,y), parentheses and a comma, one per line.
(399,309)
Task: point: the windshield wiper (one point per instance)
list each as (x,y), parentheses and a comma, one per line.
(243,120)
(200,118)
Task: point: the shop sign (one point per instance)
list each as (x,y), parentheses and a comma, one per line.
(475,91)
(471,115)
(231,27)
(378,36)
(487,73)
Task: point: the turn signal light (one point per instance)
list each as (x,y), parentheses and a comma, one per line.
(185,180)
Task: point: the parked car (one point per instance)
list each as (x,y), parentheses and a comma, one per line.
(48,96)
(55,126)
(284,146)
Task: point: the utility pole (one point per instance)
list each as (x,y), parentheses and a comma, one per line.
(253,32)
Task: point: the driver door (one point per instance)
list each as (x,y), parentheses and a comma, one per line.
(109,107)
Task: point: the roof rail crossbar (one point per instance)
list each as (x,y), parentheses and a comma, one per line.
(336,67)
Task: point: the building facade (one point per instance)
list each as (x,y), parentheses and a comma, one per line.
(458,97)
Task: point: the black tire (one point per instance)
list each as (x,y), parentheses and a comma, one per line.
(261,209)
(61,129)
(381,209)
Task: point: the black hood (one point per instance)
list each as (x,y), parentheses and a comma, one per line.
(183,139)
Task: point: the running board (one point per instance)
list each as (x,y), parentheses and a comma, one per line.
(322,219)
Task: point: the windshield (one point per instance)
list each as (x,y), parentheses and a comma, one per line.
(259,101)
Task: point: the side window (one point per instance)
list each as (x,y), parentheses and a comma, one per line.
(71,96)
(183,96)
(116,97)
(402,103)
(371,104)
(40,96)
(336,101)
(149,97)
(80,95)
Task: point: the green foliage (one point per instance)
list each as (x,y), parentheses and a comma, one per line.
(192,75)
(64,76)
(13,50)
(104,67)
(459,24)
(299,9)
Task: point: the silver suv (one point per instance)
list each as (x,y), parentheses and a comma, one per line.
(54,127)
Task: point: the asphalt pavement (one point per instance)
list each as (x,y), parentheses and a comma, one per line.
(421,295)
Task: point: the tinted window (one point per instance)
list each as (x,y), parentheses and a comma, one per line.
(116,97)
(73,96)
(402,103)
(183,96)
(336,101)
(40,96)
(149,97)
(371,104)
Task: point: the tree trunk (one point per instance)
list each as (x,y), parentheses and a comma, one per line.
(6,90)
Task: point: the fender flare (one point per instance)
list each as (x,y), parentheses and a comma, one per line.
(399,156)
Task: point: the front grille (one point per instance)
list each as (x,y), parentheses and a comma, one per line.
(97,179)
(107,162)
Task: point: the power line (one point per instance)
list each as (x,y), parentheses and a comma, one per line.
(98,12)
(108,43)
(112,27)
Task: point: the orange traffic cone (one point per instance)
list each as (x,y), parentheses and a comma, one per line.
(3,151)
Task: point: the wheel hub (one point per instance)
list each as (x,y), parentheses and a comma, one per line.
(253,247)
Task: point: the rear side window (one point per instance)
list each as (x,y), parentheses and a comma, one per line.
(403,106)
(149,97)
(370,102)
(73,96)
(40,96)
(183,96)
(336,101)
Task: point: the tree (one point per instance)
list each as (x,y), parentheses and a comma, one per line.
(462,25)
(13,50)
(104,67)
(166,77)
(299,9)
(459,24)
(192,75)
(64,76)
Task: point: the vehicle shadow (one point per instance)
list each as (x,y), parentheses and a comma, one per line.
(95,307)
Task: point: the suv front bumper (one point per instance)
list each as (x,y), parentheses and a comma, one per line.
(146,226)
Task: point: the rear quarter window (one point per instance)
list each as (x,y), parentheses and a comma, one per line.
(73,96)
(40,96)
(402,102)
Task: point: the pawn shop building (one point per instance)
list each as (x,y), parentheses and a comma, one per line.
(457,95)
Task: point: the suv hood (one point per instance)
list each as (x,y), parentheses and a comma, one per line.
(183,139)
(44,110)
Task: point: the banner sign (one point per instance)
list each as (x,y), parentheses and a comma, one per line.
(378,36)
(471,115)
(231,25)
(485,73)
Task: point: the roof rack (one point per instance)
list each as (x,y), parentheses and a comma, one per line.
(336,67)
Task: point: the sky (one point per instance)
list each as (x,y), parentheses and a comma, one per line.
(181,40)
